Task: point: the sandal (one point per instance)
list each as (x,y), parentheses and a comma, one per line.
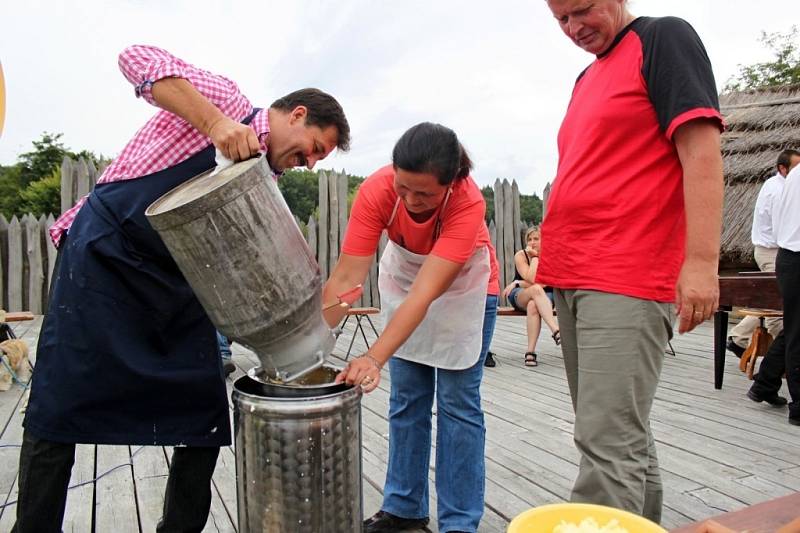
(530,359)
(557,337)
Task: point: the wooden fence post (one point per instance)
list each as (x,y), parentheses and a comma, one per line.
(311,235)
(33,250)
(333,221)
(83,180)
(498,228)
(322,255)
(508,233)
(46,224)
(517,216)
(545,198)
(4,254)
(67,183)
(14,265)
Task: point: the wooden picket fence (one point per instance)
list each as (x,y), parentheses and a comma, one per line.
(27,255)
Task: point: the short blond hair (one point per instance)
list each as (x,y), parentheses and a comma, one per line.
(532,229)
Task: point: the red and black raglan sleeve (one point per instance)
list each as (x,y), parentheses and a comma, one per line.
(677,71)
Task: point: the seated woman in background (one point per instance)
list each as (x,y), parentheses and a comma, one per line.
(529,297)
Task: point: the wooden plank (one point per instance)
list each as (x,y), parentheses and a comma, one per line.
(23,222)
(115,497)
(517,217)
(509,237)
(3,261)
(499,225)
(545,198)
(15,265)
(36,272)
(83,180)
(311,236)
(10,441)
(93,173)
(764,517)
(150,471)
(333,221)
(323,230)
(341,184)
(219,521)
(750,291)
(225,482)
(52,253)
(67,183)
(80,497)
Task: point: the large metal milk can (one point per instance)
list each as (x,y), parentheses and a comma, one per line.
(236,242)
(298,455)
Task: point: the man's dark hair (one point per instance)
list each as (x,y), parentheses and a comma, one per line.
(785,158)
(432,149)
(323,111)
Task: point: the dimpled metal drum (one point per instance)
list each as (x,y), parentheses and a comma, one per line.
(298,457)
(237,244)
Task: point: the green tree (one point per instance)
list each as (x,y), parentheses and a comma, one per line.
(530,206)
(300,189)
(784,69)
(42,197)
(40,162)
(9,189)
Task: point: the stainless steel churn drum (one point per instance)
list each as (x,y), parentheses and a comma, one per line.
(298,454)
(236,242)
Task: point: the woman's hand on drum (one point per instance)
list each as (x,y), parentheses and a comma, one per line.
(364,371)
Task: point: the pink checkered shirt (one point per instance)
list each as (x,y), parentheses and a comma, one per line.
(166,139)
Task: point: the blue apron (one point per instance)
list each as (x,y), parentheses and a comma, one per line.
(127,355)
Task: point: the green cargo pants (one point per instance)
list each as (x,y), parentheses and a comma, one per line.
(613,349)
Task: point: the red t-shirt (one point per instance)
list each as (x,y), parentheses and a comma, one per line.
(615,218)
(463,228)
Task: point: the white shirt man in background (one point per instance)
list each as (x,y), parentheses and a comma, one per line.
(765,247)
(784,354)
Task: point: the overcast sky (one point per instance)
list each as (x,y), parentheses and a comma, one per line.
(499,73)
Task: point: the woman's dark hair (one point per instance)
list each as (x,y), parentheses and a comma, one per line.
(323,111)
(432,149)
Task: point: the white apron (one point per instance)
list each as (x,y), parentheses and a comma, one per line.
(451,334)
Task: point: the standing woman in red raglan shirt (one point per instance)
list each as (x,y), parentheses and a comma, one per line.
(438,287)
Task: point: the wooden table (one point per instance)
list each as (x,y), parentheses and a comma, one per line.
(759,289)
(764,517)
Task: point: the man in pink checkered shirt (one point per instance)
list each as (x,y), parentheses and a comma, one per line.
(126,354)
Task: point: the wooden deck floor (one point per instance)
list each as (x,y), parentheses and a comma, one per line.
(718,450)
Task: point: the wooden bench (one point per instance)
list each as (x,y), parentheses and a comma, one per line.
(759,342)
(510,311)
(18,316)
(360,313)
(767,516)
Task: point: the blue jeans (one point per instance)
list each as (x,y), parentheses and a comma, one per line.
(224,347)
(460,438)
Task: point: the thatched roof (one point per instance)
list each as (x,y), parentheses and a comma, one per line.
(761,123)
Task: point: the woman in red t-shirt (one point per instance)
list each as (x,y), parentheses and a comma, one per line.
(438,288)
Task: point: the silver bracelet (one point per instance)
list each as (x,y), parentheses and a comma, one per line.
(374,361)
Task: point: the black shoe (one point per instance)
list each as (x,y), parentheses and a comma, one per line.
(229,368)
(794,420)
(735,348)
(490,362)
(773,399)
(383,522)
